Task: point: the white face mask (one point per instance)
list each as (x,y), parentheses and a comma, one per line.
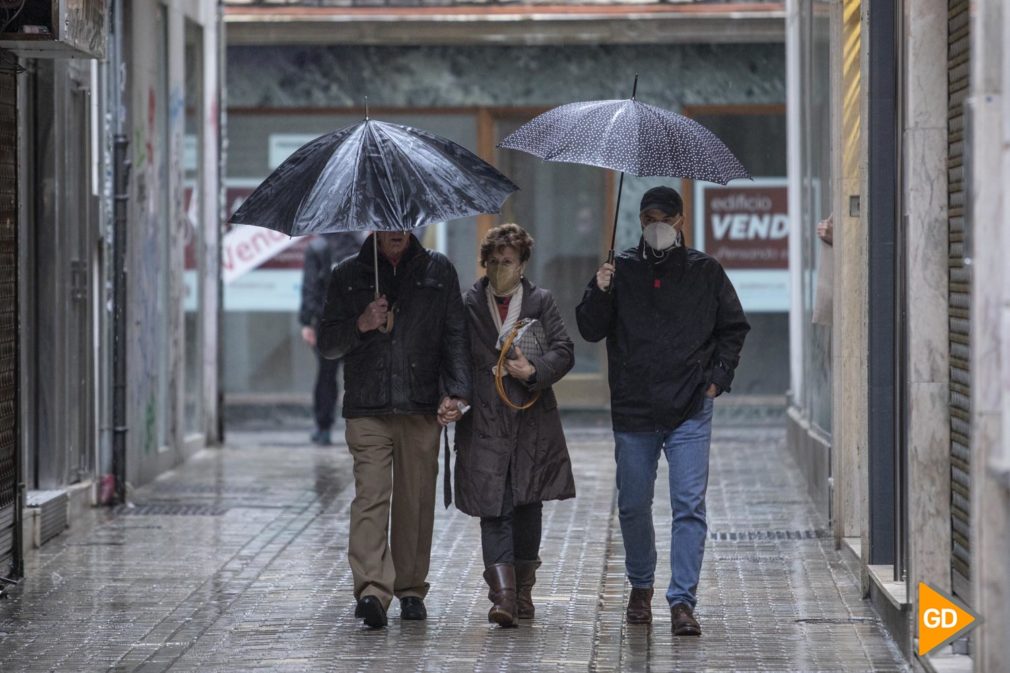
(660,236)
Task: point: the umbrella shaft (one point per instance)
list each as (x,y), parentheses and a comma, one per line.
(617,213)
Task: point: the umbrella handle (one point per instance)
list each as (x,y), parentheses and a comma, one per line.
(617,212)
(388,327)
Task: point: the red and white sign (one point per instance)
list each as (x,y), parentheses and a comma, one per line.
(746,228)
(244,251)
(246,247)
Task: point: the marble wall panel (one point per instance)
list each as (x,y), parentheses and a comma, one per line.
(929,484)
(927,230)
(926,57)
(419,77)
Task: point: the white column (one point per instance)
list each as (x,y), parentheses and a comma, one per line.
(211,214)
(794,167)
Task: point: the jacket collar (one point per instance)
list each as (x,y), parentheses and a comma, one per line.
(674,260)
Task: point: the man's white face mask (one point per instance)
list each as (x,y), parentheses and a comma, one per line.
(660,236)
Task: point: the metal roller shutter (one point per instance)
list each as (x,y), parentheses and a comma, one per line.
(9,515)
(958,67)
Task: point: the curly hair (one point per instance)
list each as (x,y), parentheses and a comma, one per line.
(506,236)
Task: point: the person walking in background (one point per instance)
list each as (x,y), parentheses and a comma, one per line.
(509,459)
(403,380)
(674,329)
(322,254)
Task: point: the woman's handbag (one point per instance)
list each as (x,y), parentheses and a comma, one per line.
(529,336)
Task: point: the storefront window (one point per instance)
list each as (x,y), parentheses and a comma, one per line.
(754,251)
(266,354)
(565,209)
(816,206)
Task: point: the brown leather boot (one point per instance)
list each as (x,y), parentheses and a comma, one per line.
(501,578)
(640,606)
(682,621)
(526,577)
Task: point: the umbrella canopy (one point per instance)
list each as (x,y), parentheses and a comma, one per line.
(628,136)
(374,176)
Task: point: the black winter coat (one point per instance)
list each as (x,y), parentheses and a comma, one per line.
(493,438)
(672,329)
(424,357)
(323,253)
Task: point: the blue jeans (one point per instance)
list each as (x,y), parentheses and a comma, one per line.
(637,455)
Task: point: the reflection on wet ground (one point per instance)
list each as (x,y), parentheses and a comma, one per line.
(237,562)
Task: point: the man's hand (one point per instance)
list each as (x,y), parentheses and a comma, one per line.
(450,410)
(374,316)
(713,390)
(520,367)
(605,276)
(309,336)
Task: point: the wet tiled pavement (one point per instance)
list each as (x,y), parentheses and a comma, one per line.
(237,562)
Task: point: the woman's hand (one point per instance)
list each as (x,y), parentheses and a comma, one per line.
(450,410)
(520,367)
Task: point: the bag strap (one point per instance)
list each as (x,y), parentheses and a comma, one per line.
(499,376)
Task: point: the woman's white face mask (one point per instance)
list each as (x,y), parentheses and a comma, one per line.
(660,236)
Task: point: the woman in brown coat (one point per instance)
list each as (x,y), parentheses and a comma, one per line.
(509,461)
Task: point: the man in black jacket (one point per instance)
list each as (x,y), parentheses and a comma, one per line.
(674,329)
(403,380)
(321,255)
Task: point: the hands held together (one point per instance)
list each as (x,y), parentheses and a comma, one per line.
(450,410)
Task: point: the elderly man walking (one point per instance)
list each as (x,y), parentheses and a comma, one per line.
(403,379)
(674,329)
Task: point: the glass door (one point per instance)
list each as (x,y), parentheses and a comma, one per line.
(567,208)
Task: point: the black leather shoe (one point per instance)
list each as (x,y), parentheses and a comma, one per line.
(370,609)
(683,622)
(640,606)
(412,608)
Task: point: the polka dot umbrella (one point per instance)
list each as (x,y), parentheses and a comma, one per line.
(628,136)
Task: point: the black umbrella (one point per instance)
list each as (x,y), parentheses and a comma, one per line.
(374,176)
(627,136)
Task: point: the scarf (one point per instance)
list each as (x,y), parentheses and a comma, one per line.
(515,307)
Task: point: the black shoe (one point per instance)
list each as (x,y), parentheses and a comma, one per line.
(683,621)
(321,438)
(640,606)
(412,608)
(370,609)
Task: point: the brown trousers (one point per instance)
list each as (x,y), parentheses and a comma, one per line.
(394,457)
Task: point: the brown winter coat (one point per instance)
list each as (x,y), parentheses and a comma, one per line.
(492,436)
